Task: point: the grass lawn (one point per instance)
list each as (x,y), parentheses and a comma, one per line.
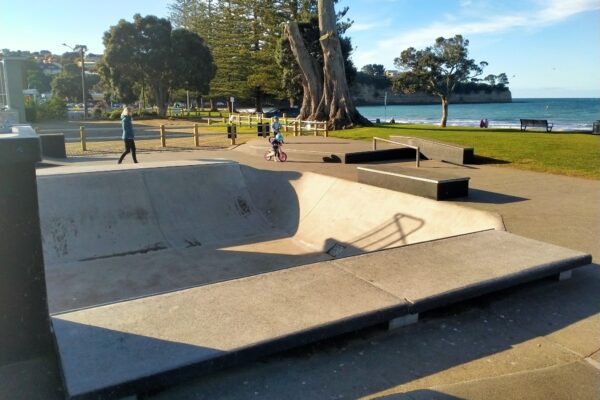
(572,154)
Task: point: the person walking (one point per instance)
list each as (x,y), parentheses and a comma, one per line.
(128,135)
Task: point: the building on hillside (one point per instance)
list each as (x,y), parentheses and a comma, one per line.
(91,60)
(390,73)
(51,68)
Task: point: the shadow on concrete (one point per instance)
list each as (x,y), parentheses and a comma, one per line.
(484,196)
(481,160)
(394,236)
(332,159)
(374,360)
(38,378)
(104,363)
(108,280)
(421,394)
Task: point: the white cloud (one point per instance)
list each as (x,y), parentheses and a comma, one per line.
(546,13)
(360,27)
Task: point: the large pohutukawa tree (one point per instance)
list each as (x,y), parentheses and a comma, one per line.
(437,70)
(326,92)
(149,53)
(311,72)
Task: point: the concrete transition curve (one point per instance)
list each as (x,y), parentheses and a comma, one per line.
(119,233)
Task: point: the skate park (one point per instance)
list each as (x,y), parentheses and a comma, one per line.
(104,273)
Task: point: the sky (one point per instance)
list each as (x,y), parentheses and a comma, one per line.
(547,48)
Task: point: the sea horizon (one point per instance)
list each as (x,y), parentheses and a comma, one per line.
(566,113)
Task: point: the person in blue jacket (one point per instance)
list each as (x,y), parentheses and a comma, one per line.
(128,135)
(277,140)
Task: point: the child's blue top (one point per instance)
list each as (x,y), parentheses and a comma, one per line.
(279,137)
(276,126)
(127,124)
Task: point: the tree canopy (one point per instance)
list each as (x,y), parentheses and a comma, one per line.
(34,77)
(374,70)
(253,58)
(437,69)
(67,84)
(147,54)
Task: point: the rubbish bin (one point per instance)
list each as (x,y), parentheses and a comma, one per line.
(263,129)
(231,131)
(596,129)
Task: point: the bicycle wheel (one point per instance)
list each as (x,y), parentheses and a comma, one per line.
(282,156)
(267,155)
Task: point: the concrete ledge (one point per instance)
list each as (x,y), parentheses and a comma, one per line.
(148,343)
(53,145)
(446,271)
(418,181)
(21,145)
(436,150)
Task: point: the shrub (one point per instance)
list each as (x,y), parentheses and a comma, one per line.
(53,109)
(30,109)
(115,114)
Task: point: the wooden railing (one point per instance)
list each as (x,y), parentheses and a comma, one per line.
(298,127)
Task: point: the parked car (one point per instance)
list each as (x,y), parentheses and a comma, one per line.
(291,112)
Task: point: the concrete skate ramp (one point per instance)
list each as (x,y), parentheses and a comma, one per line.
(121,232)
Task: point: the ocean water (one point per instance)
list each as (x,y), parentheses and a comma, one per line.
(565,114)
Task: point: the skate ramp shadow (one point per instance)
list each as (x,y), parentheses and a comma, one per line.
(447,338)
(487,197)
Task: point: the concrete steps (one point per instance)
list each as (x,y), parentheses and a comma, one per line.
(143,344)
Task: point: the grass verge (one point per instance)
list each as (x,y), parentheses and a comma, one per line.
(571,154)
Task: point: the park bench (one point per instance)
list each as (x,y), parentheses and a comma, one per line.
(536,123)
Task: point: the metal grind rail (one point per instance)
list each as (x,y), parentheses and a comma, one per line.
(375,139)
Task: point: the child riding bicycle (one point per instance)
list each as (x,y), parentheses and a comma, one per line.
(277,140)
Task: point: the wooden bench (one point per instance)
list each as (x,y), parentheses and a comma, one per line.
(536,123)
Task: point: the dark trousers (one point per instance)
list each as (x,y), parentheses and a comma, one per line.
(129,147)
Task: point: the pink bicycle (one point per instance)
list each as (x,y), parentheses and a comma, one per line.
(276,153)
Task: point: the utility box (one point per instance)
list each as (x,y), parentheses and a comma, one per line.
(263,130)
(231,131)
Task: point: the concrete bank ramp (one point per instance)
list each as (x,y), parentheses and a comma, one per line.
(120,232)
(144,344)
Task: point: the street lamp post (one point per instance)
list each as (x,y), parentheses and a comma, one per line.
(385,107)
(81,48)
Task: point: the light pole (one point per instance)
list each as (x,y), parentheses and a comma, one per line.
(385,107)
(81,48)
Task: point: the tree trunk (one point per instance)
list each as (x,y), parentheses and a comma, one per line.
(336,105)
(312,78)
(161,100)
(258,99)
(444,111)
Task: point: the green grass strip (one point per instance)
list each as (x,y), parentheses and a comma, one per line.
(571,154)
